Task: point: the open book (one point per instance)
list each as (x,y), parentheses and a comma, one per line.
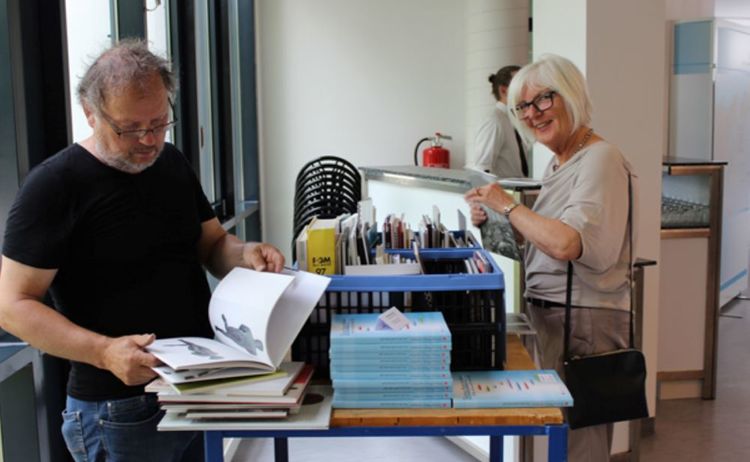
(255,315)
(498,236)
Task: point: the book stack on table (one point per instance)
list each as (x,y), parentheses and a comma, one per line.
(269,396)
(376,366)
(239,374)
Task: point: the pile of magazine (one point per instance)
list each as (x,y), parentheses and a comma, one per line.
(393,360)
(239,375)
(268,396)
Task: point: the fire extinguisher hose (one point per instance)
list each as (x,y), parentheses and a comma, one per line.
(416,150)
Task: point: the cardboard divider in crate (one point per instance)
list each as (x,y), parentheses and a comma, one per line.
(472,304)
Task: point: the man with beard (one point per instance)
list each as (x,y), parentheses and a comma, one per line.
(118,229)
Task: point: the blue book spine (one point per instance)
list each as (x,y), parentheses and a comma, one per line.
(359,363)
(422,355)
(396,384)
(368,376)
(389,348)
(391,404)
(400,396)
(387,367)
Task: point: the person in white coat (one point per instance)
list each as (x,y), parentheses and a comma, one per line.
(497,148)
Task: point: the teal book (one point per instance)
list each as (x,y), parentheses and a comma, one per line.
(410,383)
(391,404)
(356,395)
(415,346)
(532,388)
(365,328)
(371,376)
(405,362)
(404,354)
(365,367)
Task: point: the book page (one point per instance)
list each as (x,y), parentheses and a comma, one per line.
(182,353)
(241,307)
(292,311)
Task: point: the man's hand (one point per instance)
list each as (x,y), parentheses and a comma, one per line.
(263,257)
(126,358)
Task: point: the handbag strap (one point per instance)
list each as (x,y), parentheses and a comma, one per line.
(569,282)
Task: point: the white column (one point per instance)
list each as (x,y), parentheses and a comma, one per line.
(621,49)
(497,35)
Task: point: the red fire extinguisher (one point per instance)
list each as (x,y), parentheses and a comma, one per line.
(436,155)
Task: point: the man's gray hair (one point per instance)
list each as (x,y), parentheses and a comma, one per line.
(124,65)
(552,72)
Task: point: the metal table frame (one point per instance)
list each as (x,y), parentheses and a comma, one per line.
(558,437)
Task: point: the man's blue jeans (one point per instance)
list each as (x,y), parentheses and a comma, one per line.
(124,430)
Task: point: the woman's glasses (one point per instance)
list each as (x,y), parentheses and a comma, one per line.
(541,103)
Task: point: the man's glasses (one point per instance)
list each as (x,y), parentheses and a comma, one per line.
(541,103)
(139,133)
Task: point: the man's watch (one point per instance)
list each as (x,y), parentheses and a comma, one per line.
(509,208)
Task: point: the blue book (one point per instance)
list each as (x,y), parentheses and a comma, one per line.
(391,404)
(369,376)
(391,396)
(415,347)
(394,383)
(532,388)
(335,369)
(406,362)
(426,327)
(395,355)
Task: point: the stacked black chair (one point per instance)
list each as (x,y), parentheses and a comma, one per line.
(325,188)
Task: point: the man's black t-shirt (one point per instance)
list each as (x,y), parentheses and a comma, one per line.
(124,245)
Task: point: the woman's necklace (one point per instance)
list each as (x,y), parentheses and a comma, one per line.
(580,146)
(585,140)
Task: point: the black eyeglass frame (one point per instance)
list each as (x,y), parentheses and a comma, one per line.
(140,133)
(520,109)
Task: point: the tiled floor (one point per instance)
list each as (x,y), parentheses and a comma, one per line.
(719,430)
(686,430)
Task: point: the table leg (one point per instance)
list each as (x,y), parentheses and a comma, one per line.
(281,449)
(213,446)
(496,448)
(558,443)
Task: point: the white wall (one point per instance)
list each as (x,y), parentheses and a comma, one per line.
(497,35)
(358,79)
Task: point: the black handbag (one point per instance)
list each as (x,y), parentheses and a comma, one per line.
(606,387)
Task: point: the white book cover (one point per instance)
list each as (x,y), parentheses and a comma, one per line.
(255,317)
(315,414)
(293,395)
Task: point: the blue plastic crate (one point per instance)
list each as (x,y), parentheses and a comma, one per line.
(472,304)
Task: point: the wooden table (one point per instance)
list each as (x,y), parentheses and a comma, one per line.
(494,423)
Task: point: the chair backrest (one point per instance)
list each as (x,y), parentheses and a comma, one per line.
(325,187)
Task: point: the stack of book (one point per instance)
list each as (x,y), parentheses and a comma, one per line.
(269,396)
(239,374)
(375,365)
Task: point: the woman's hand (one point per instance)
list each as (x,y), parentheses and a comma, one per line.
(492,195)
(478,215)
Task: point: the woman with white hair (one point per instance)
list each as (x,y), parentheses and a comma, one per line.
(580,216)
